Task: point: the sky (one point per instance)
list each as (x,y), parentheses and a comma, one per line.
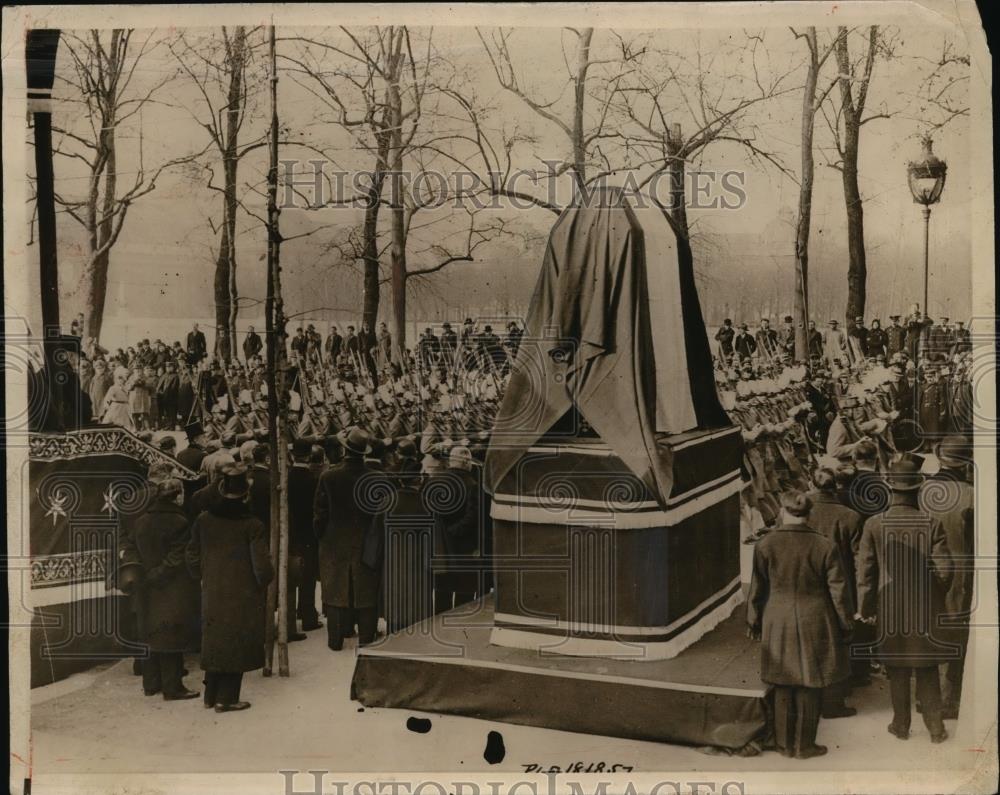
(163,263)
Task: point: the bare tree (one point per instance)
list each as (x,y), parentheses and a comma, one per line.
(812,101)
(103,86)
(218,67)
(589,81)
(845,121)
(675,106)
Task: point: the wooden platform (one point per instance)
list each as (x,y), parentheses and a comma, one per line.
(711,694)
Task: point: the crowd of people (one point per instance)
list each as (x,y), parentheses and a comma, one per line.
(866,432)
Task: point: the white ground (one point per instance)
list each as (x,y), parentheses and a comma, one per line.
(102,723)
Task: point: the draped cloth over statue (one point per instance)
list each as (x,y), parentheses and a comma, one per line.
(614,329)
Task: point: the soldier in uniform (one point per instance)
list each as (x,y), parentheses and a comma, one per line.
(933,406)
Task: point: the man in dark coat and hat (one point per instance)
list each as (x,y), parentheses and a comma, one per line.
(725,336)
(197,347)
(168,597)
(904,570)
(302,540)
(228,552)
(252,345)
(800,608)
(458,528)
(343,511)
(950,497)
(400,544)
(195,452)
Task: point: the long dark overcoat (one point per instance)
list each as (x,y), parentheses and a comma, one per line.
(842,525)
(228,551)
(347,499)
(799,603)
(169,598)
(952,500)
(456,498)
(904,570)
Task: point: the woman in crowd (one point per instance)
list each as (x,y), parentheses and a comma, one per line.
(116,402)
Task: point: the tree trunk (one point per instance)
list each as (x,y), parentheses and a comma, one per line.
(579,101)
(103,208)
(225,265)
(853,95)
(370,299)
(222,297)
(676,175)
(398,210)
(857,266)
(801,297)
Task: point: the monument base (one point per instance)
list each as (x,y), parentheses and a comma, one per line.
(710,694)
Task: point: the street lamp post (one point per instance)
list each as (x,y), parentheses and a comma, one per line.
(926,179)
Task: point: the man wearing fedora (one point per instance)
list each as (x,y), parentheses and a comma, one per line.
(949,496)
(904,570)
(343,511)
(744,343)
(228,552)
(800,609)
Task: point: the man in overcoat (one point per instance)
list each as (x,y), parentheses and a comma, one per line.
(252,345)
(842,525)
(168,598)
(458,529)
(904,570)
(228,552)
(197,347)
(949,496)
(799,607)
(895,337)
(343,511)
(302,540)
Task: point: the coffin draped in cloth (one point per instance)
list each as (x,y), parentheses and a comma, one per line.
(615,331)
